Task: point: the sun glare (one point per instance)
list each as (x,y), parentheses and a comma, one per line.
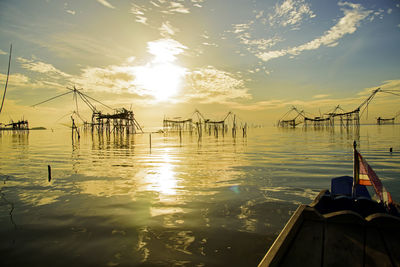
(161,78)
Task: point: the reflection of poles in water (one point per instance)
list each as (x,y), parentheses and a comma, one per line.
(234,126)
(180,134)
(150,140)
(74,129)
(245,130)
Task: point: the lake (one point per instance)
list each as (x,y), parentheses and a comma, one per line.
(184,201)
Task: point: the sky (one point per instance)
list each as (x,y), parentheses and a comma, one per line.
(167,58)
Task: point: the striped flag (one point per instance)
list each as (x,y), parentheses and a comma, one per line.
(367,176)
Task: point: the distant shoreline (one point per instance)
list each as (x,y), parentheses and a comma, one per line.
(30,129)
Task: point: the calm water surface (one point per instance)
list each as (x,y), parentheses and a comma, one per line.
(113,201)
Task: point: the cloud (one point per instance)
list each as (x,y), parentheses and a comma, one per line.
(254,45)
(141,19)
(259,105)
(19,80)
(210,85)
(165,50)
(203,85)
(320,96)
(176,7)
(41,67)
(2,52)
(157,78)
(290,12)
(105,3)
(239,28)
(167,30)
(84,47)
(389,85)
(113,78)
(353,15)
(139,12)
(72,12)
(16,79)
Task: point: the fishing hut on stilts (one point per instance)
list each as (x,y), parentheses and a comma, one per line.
(381,121)
(197,122)
(338,115)
(121,121)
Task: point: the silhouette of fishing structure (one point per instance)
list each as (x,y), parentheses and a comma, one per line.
(199,124)
(382,121)
(329,119)
(121,121)
(20,125)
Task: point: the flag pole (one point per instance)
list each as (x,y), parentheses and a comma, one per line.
(356,168)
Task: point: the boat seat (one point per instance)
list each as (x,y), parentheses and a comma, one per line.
(342,186)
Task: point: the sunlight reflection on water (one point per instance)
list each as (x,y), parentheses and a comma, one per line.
(113,200)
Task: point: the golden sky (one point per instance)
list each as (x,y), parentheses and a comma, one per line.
(254,58)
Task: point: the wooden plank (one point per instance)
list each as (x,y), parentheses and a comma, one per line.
(344,239)
(283,241)
(376,253)
(307,248)
(389,227)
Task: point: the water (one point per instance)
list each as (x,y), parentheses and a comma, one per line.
(183,202)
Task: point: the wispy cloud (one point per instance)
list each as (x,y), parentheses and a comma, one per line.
(242,27)
(320,96)
(210,85)
(41,67)
(105,3)
(253,45)
(72,12)
(16,79)
(167,30)
(82,46)
(113,78)
(139,12)
(19,80)
(353,15)
(290,12)
(386,85)
(176,7)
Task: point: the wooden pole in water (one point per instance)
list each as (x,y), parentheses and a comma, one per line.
(150,139)
(8,74)
(49,172)
(356,168)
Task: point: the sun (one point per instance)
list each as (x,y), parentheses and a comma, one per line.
(162,77)
(161,80)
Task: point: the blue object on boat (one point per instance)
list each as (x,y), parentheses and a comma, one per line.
(343,186)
